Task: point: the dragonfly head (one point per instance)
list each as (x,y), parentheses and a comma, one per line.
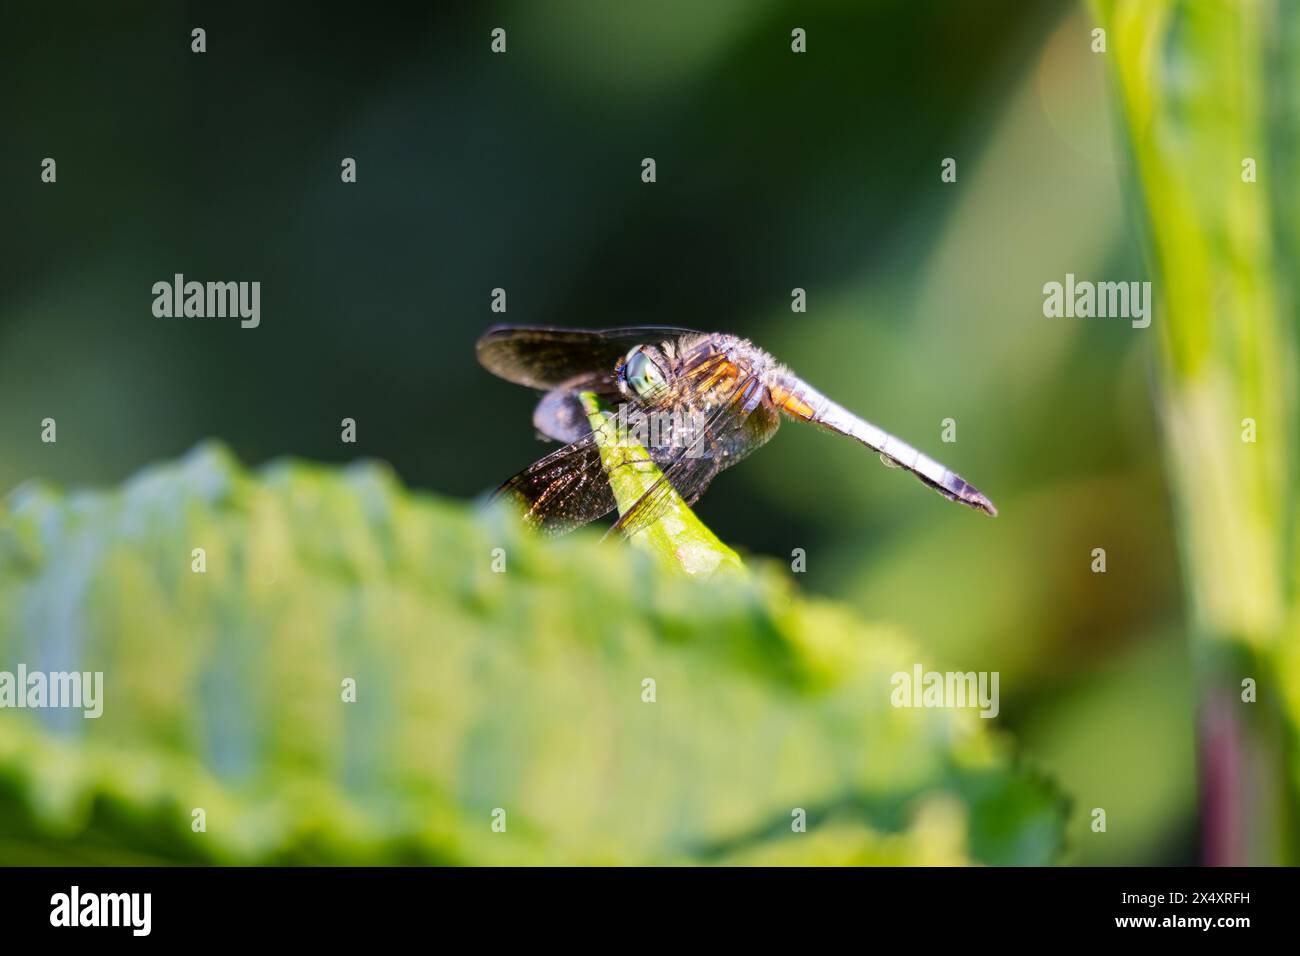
(642,374)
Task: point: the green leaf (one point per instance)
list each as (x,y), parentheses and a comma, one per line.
(523,691)
(678,539)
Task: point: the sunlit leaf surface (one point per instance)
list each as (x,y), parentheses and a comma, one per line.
(524,690)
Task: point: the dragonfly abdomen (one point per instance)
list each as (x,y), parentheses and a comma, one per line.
(800,400)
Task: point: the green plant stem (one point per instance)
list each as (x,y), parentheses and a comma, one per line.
(1193,85)
(677,538)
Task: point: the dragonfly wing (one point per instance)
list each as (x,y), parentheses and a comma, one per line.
(543,357)
(563,491)
(559,414)
(688,477)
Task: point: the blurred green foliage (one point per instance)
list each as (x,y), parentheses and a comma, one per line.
(476,690)
(1206,91)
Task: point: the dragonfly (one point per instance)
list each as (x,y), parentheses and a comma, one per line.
(706,401)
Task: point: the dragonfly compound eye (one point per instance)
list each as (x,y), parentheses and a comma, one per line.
(642,374)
